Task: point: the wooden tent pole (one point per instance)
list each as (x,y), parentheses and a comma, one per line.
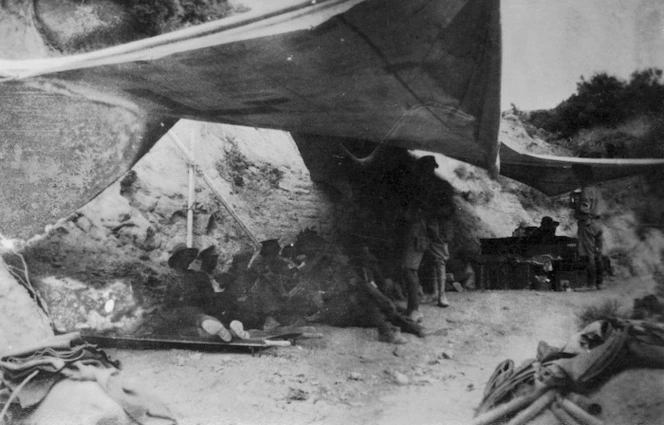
(255,242)
(192,192)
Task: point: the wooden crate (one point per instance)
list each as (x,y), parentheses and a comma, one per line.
(506,275)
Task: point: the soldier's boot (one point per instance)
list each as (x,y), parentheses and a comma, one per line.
(212,326)
(416,316)
(391,335)
(442,297)
(398,338)
(237,330)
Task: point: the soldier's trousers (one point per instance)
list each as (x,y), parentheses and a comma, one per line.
(594,269)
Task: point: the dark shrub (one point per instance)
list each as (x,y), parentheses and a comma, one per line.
(604,100)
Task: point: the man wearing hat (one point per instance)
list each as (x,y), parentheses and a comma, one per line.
(196,301)
(546,232)
(590,232)
(438,208)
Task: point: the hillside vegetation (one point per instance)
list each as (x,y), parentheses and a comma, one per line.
(606,117)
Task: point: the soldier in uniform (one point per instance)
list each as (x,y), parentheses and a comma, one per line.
(590,232)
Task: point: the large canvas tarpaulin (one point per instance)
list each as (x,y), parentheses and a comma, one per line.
(419,74)
(554,175)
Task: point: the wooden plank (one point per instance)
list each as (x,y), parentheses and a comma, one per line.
(164,343)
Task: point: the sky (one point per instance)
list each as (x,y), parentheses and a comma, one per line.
(549,44)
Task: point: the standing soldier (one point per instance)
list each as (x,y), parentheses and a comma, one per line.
(440,233)
(590,232)
(415,244)
(429,228)
(416,241)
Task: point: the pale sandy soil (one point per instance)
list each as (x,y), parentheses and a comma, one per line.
(348,376)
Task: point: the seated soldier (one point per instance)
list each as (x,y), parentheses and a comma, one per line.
(385,285)
(362,304)
(546,232)
(380,312)
(196,302)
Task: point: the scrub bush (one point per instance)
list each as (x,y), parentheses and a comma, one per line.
(604,100)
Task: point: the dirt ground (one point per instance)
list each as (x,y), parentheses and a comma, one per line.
(349,377)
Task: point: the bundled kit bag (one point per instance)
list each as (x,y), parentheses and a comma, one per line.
(65,381)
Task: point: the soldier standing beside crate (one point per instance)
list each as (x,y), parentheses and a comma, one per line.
(590,231)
